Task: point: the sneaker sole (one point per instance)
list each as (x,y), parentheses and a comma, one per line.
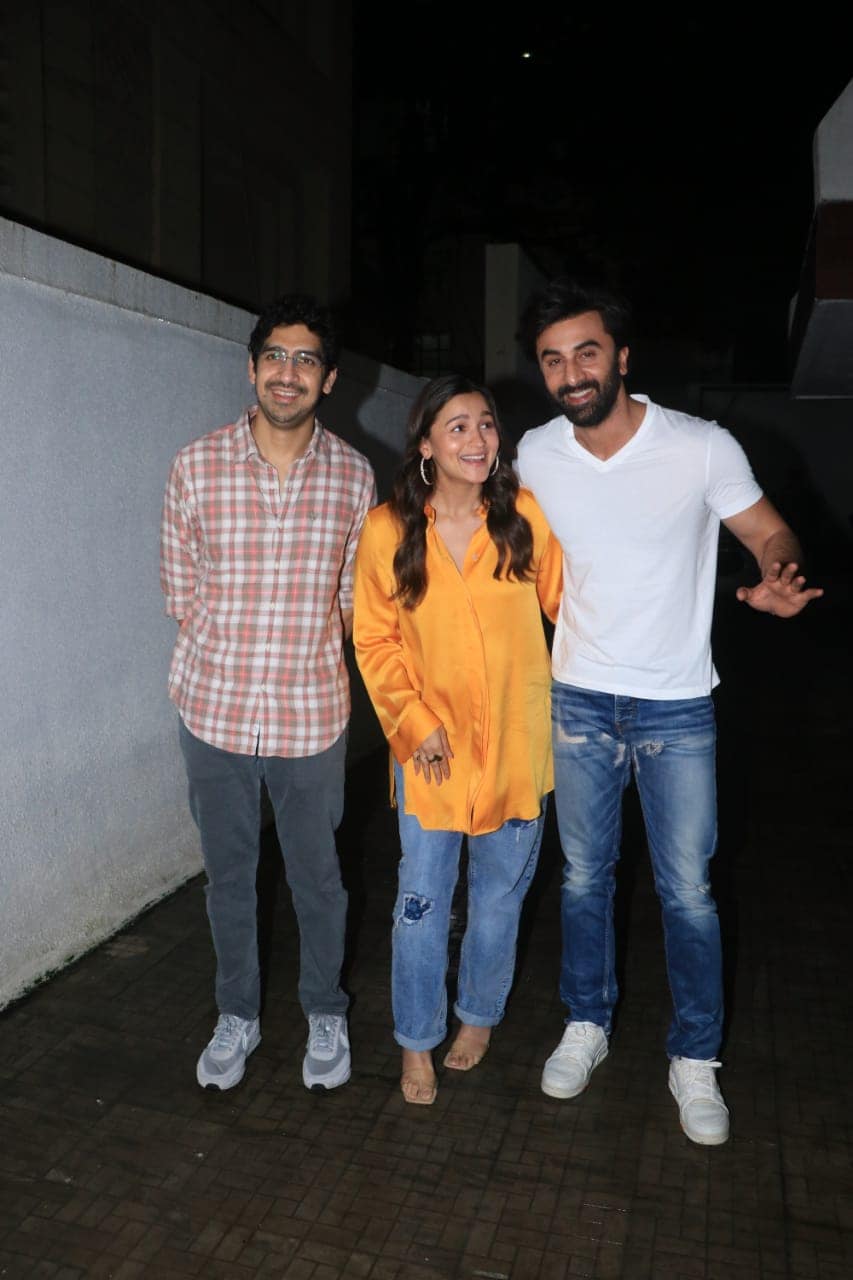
(556,1091)
(562,1091)
(701,1139)
(704,1139)
(321,1084)
(230,1078)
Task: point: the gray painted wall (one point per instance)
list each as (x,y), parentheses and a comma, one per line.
(106,373)
(833,151)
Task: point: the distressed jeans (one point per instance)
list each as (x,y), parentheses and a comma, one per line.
(307,795)
(500,869)
(599,739)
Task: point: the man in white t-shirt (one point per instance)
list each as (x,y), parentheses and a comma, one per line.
(635,494)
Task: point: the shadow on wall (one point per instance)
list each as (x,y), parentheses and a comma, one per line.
(521,406)
(369,406)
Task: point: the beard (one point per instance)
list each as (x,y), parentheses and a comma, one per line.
(594,411)
(287,417)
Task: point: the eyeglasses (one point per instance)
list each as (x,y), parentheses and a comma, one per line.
(299,359)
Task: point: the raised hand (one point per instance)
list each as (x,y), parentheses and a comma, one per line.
(782,592)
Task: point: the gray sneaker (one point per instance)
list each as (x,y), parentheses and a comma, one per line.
(569,1067)
(327,1058)
(223,1062)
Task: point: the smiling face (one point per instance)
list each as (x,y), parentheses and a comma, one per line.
(462,442)
(288,390)
(582,369)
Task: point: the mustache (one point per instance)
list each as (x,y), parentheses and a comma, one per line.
(567,388)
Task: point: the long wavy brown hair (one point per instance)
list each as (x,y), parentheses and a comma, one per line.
(509,531)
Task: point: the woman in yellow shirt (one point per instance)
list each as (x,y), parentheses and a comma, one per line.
(451,578)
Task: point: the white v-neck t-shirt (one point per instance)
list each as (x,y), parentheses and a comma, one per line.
(639,536)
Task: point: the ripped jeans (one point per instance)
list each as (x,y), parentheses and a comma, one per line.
(500,869)
(599,738)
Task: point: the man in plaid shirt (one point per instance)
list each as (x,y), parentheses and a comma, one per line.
(260,525)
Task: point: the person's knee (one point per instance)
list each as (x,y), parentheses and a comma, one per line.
(231,877)
(582,877)
(684,897)
(414,907)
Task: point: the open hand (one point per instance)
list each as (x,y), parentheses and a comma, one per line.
(782,591)
(432,758)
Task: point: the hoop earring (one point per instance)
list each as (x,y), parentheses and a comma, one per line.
(424,476)
(494,470)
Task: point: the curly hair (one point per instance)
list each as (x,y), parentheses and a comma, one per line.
(509,530)
(297,308)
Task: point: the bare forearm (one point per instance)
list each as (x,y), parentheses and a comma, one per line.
(782,548)
(765,534)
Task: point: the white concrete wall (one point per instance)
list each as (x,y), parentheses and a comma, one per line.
(106,371)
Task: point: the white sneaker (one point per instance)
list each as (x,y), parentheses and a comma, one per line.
(327,1060)
(569,1067)
(223,1061)
(703,1114)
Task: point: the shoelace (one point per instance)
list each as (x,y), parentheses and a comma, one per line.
(577,1040)
(699,1078)
(322,1035)
(227,1034)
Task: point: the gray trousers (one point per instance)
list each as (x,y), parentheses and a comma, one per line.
(307,794)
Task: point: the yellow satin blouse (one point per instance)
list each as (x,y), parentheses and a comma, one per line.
(471,656)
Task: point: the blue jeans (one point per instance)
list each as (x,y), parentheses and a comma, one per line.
(599,738)
(500,869)
(307,795)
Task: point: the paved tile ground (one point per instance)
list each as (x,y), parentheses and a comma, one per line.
(115,1164)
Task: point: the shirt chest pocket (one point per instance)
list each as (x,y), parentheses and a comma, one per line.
(315,542)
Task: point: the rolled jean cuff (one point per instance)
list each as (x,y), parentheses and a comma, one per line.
(474,1019)
(419,1046)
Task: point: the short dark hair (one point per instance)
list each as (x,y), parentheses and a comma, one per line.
(562,299)
(297,308)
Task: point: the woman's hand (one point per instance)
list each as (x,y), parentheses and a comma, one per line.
(432,758)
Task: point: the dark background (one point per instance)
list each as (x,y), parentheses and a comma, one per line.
(671,156)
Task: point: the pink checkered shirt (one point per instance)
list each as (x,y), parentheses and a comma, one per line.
(257,580)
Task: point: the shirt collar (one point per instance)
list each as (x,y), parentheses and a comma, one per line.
(429,511)
(243,442)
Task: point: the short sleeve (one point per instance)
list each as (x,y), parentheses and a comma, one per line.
(730,486)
